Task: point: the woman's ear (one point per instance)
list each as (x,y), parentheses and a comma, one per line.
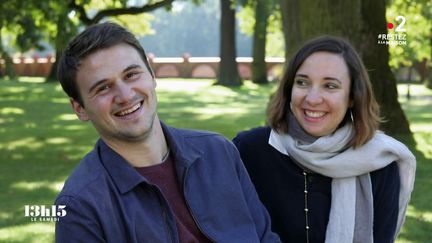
(79,110)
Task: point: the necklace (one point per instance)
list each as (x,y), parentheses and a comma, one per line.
(306,210)
(165,157)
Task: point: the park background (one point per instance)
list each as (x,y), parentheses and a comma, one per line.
(41,140)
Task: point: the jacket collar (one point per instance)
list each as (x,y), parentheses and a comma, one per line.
(185,153)
(126,177)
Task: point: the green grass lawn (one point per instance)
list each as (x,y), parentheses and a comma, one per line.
(41,141)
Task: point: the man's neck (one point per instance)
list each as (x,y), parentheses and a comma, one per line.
(143,153)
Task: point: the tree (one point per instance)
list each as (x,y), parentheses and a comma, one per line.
(259,19)
(111,11)
(360,21)
(384,82)
(63,29)
(8,9)
(290,25)
(417,52)
(66,28)
(259,67)
(228,73)
(19,23)
(9,71)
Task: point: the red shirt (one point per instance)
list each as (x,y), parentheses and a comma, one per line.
(163,176)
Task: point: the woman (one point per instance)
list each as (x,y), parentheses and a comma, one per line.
(322,169)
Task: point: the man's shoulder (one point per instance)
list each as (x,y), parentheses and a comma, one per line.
(86,173)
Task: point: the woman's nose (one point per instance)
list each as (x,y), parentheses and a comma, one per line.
(314,97)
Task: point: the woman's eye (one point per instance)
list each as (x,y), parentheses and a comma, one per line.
(332,86)
(300,82)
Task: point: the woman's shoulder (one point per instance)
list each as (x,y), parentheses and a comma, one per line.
(256,132)
(252,136)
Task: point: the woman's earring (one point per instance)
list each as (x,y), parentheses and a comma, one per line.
(352,117)
(290,106)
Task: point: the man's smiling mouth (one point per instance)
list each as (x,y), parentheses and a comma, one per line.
(130,110)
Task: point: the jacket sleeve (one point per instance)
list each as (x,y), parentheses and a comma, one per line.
(256,208)
(78,225)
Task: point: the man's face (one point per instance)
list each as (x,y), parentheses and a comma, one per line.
(118,93)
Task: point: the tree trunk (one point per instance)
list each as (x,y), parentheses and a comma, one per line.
(52,76)
(228,72)
(360,22)
(65,31)
(259,68)
(307,19)
(9,70)
(291,25)
(429,79)
(408,80)
(376,59)
(422,69)
(429,67)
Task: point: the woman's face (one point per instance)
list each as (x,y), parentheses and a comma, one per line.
(320,93)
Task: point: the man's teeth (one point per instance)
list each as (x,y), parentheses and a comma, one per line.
(130,110)
(314,114)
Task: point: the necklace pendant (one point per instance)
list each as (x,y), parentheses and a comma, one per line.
(306,209)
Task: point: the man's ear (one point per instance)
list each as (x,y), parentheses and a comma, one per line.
(79,110)
(154,82)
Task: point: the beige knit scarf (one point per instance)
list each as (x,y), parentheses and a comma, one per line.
(351,212)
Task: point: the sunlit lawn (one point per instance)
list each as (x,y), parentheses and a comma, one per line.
(418,226)
(41,141)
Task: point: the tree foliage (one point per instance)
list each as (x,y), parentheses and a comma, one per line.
(114,8)
(417,53)
(117,10)
(275,39)
(65,26)
(58,21)
(20,22)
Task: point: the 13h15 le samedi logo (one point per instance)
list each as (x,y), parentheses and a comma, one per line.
(44,212)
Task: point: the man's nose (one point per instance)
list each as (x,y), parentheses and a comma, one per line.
(124,92)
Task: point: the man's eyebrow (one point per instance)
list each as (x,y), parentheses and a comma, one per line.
(132,66)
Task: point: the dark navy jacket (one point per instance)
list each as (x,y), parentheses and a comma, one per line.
(107,200)
(280,185)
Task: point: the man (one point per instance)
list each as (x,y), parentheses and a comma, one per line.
(145,181)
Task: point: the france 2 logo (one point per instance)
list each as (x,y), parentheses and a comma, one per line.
(401,22)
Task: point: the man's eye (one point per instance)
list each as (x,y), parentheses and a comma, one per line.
(103,87)
(131,75)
